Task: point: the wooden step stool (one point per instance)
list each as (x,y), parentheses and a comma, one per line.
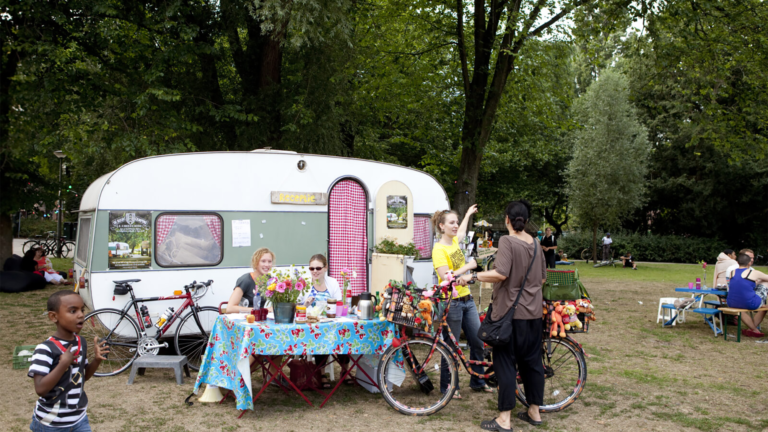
(160,361)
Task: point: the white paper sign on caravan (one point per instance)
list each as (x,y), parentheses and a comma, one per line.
(241,233)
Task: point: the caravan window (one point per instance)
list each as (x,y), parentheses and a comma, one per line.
(422,235)
(83,234)
(188,240)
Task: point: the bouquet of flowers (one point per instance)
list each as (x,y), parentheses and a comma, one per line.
(346,277)
(282,286)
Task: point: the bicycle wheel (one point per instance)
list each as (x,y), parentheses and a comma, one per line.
(586,254)
(122,341)
(565,374)
(29,244)
(65,250)
(410,384)
(190,340)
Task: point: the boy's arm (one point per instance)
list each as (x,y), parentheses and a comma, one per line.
(101,351)
(45,383)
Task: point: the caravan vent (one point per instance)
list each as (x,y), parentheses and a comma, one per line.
(270,150)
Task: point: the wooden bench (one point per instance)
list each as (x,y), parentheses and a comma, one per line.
(737,312)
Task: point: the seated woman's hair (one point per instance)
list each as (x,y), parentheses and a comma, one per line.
(743,259)
(258,254)
(31,253)
(439,218)
(321,258)
(728,251)
(518,213)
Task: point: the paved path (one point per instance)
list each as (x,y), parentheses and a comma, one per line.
(17,244)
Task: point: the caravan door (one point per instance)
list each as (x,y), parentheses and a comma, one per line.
(348,232)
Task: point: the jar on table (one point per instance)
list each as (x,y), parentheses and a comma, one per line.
(330,308)
(301,315)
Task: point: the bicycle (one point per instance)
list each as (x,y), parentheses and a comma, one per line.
(50,245)
(127,337)
(417,361)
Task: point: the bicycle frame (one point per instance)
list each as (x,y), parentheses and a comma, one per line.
(188,302)
(457,353)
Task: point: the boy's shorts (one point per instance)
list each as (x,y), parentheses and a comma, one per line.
(762,292)
(82,426)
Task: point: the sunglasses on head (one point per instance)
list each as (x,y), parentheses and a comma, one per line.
(316,268)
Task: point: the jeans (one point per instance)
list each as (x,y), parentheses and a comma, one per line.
(82,426)
(463,315)
(606,252)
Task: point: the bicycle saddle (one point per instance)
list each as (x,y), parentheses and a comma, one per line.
(127,281)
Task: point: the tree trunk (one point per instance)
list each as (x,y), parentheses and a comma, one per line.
(6,237)
(594,244)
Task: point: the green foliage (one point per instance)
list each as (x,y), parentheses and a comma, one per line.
(389,246)
(31,227)
(649,247)
(607,173)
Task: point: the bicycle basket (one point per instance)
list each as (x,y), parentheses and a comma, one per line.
(563,285)
(121,290)
(395,312)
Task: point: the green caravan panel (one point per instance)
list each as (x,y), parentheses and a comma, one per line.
(293,237)
(99,244)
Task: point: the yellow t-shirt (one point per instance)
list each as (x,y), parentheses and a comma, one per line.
(450,256)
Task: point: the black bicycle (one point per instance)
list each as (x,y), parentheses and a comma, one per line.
(127,337)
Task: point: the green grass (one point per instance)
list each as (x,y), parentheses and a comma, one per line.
(678,274)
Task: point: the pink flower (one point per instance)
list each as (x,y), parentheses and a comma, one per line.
(281,287)
(704,264)
(300,285)
(269,293)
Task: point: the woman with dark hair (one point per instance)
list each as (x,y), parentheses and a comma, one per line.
(323,288)
(514,255)
(29,261)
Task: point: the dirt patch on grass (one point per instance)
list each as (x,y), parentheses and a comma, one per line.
(641,378)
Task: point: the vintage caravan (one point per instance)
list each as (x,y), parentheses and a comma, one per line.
(200,216)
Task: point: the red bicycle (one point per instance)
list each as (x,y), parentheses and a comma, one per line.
(127,337)
(409,368)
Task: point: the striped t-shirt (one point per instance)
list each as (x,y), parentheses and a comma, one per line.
(44,360)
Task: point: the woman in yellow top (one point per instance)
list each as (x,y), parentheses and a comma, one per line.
(446,255)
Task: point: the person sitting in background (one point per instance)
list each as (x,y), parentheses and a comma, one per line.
(734,266)
(628,260)
(748,292)
(51,276)
(726,259)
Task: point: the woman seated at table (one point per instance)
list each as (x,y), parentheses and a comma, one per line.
(323,288)
(241,299)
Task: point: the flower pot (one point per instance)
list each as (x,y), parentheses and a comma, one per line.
(284,313)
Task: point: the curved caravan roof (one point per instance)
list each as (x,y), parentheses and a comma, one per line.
(242,181)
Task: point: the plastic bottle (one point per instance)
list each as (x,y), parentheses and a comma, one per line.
(257,301)
(349,302)
(164,317)
(698,283)
(145,315)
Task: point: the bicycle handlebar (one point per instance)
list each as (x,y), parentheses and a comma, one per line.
(196,285)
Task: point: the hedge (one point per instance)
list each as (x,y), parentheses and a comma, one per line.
(648,247)
(31,227)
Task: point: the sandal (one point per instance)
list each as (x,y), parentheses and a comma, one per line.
(523,415)
(493,425)
(486,388)
(456,395)
(324,383)
(350,381)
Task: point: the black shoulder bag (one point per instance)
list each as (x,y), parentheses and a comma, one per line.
(496,333)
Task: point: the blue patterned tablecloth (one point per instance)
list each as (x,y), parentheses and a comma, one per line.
(225,363)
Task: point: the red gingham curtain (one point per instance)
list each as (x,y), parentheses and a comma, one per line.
(421,236)
(214,224)
(164,225)
(348,246)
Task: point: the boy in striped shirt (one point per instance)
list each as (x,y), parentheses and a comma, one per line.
(60,368)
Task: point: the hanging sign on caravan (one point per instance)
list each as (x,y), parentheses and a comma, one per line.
(302,198)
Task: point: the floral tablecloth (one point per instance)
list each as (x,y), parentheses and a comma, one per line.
(225,363)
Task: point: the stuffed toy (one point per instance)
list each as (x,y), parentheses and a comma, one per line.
(425,309)
(557,320)
(407,310)
(585,306)
(570,320)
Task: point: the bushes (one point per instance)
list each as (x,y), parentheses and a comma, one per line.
(657,248)
(31,227)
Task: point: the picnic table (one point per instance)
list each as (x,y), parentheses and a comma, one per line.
(233,341)
(706,312)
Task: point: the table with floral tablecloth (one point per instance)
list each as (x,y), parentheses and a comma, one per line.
(233,340)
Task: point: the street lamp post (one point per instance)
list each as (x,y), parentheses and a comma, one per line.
(59,154)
